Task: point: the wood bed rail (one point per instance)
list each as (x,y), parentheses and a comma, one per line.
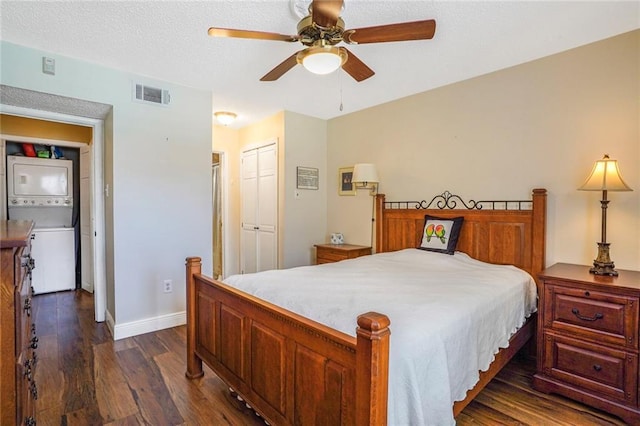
(290,369)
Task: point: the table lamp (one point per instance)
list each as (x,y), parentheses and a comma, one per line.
(604,177)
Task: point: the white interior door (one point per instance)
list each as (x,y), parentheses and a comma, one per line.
(86,225)
(249,225)
(267,208)
(259,242)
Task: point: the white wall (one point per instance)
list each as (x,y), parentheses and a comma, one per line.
(158,168)
(540,124)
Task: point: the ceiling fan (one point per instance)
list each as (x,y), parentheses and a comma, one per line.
(321,30)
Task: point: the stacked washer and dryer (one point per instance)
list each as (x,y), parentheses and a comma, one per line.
(41,189)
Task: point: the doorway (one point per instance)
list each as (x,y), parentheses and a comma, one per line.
(217,184)
(93,200)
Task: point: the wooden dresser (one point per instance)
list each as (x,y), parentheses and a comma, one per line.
(588,338)
(18,390)
(327,253)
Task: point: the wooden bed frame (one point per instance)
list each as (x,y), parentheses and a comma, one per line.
(292,370)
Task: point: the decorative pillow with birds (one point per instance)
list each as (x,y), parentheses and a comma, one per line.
(440,234)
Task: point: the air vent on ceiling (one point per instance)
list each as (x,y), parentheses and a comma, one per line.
(150,94)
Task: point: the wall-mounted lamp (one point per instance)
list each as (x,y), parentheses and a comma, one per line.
(225,117)
(604,177)
(365,176)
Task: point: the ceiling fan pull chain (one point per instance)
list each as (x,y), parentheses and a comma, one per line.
(340,82)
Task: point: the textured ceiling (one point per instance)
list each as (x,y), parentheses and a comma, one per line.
(168,41)
(47,102)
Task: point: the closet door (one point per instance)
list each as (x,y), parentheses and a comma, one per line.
(267,208)
(259,210)
(249,207)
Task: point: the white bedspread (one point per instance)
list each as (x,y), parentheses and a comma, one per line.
(449,316)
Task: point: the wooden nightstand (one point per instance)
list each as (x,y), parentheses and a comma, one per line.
(588,338)
(327,253)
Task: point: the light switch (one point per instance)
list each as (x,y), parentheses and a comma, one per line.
(48,65)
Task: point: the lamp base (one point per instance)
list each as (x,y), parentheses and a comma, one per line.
(603,265)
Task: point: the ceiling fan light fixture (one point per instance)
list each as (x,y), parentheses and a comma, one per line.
(225,117)
(322,59)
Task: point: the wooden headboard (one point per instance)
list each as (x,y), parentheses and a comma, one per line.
(496,231)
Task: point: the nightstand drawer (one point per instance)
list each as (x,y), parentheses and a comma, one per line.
(600,316)
(332,256)
(328,253)
(608,371)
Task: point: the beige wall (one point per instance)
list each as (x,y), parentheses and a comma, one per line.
(305,217)
(540,124)
(227,141)
(301,221)
(35,128)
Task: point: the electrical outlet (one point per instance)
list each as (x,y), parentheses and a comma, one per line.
(168,286)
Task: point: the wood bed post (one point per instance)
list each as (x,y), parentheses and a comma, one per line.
(539,231)
(379,222)
(194,363)
(372,369)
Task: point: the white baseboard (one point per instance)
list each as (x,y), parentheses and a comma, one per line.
(134,328)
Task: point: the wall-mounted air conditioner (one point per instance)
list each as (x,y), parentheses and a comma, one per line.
(153,95)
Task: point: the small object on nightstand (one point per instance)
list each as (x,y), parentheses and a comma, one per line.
(328,253)
(337,238)
(588,338)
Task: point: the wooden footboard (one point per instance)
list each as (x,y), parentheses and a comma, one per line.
(290,369)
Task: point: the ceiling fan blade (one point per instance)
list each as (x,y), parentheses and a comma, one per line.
(356,68)
(326,12)
(418,30)
(260,35)
(281,68)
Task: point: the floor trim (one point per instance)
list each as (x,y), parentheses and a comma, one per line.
(134,328)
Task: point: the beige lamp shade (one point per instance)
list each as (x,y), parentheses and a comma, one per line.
(605,176)
(364,173)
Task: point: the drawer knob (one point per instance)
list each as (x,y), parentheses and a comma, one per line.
(586,293)
(597,367)
(596,317)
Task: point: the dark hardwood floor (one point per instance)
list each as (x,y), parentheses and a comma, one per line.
(85,378)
